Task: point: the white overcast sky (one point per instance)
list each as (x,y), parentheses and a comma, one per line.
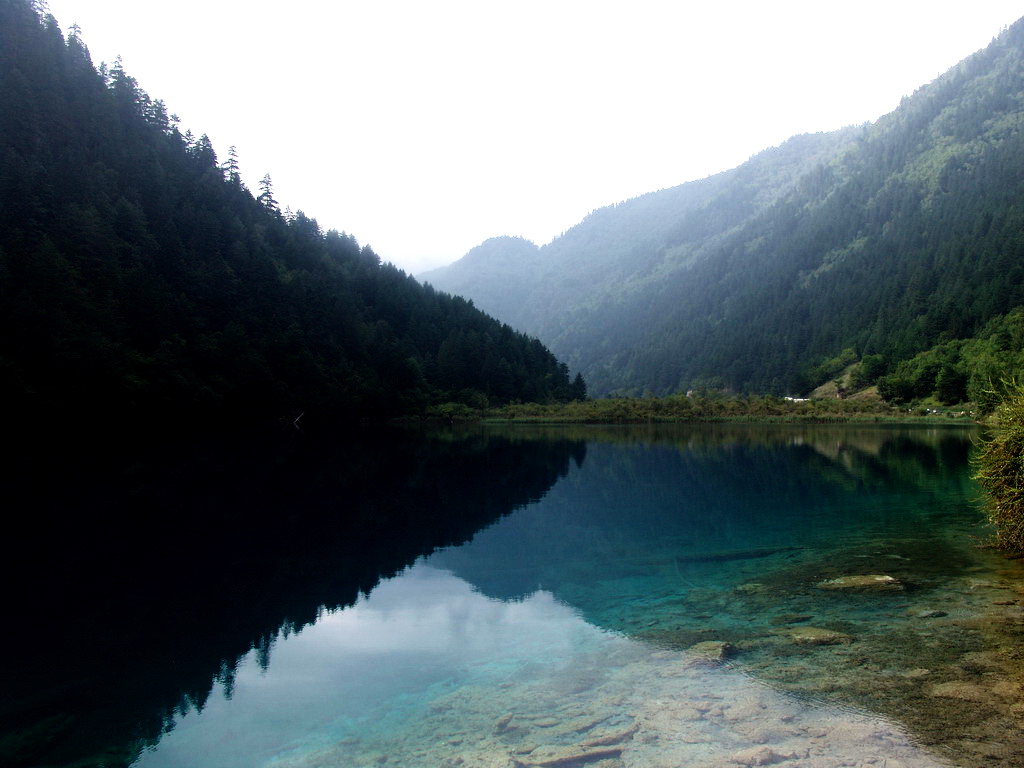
(424,127)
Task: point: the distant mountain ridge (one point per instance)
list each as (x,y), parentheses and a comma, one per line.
(885,238)
(520,282)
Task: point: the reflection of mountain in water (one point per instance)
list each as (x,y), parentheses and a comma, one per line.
(145,576)
(711,533)
(685,501)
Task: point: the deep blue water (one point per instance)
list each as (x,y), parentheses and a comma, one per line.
(565,625)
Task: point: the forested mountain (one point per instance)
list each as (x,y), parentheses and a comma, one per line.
(139,277)
(886,238)
(623,248)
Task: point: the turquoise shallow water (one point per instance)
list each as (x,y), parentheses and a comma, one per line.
(567,632)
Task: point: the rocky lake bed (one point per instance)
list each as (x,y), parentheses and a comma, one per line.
(803,668)
(701,598)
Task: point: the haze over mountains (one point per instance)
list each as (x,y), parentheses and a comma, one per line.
(886,238)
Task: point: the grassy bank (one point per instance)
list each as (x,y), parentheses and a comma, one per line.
(1000,470)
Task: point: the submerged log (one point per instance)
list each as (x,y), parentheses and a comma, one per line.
(568,757)
(734,554)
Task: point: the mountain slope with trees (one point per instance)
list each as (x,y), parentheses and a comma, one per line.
(624,248)
(886,239)
(141,280)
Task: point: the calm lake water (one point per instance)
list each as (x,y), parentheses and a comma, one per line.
(564,596)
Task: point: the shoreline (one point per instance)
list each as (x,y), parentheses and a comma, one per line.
(749,419)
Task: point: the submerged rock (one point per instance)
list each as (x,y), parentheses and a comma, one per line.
(760,756)
(916,673)
(587,723)
(708,653)
(863,583)
(613,737)
(961,691)
(502,723)
(817,636)
(980,662)
(752,588)
(930,614)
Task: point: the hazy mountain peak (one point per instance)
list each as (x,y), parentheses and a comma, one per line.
(883,237)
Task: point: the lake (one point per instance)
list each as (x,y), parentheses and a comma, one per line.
(681,595)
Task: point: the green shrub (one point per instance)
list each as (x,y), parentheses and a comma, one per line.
(870,369)
(1000,470)
(830,368)
(951,385)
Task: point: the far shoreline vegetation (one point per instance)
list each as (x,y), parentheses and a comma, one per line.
(954,381)
(706,407)
(998,464)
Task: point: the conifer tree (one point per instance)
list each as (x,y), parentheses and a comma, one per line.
(266,196)
(230,167)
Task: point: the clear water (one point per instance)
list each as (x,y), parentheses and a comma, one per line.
(564,633)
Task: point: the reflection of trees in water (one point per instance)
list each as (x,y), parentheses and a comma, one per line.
(856,454)
(146,576)
(692,496)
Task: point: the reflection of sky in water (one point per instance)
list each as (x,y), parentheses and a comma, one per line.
(650,540)
(373,670)
(413,638)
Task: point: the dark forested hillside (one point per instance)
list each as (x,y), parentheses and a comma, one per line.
(139,277)
(887,239)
